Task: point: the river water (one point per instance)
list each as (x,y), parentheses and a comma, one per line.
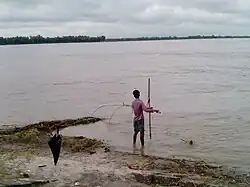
(202,88)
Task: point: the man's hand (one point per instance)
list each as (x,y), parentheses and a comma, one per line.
(153,110)
(157,111)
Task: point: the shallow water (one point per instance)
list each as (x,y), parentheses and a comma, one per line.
(202,88)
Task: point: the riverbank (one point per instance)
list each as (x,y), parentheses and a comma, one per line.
(25,158)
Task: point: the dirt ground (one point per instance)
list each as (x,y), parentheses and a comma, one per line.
(26,160)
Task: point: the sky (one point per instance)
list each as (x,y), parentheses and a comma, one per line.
(124,18)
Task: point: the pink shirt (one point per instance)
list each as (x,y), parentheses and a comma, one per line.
(138,107)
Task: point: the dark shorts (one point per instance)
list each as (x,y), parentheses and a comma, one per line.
(139,125)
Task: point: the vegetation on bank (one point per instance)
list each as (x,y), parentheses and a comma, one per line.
(38,134)
(20,40)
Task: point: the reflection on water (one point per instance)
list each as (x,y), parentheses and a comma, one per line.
(201,87)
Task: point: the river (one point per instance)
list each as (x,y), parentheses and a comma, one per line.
(202,88)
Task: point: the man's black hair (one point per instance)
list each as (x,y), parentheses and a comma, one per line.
(136,94)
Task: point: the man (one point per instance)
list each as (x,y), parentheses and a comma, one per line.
(138,107)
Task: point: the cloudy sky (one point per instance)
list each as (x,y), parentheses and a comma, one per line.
(124,18)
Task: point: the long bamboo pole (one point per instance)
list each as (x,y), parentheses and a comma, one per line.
(149,114)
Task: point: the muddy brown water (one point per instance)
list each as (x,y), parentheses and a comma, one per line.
(202,88)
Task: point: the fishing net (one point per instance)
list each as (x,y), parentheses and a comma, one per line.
(110,112)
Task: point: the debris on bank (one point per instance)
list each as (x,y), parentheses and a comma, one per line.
(25,182)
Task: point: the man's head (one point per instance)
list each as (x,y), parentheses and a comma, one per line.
(136,94)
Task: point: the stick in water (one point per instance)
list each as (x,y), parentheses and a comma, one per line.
(149,114)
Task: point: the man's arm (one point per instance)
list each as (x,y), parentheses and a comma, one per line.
(148,109)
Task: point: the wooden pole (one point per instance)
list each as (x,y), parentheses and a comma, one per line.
(149,114)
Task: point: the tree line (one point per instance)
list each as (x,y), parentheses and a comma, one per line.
(19,40)
(175,38)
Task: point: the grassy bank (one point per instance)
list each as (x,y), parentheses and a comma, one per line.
(37,135)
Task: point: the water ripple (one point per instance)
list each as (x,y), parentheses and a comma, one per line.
(67,83)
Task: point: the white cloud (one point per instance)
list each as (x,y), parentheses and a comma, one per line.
(115,18)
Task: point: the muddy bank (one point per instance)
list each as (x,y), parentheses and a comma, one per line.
(121,169)
(25,159)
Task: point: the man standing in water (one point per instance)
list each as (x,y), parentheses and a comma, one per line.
(138,107)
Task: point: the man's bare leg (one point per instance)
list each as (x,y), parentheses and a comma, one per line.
(142,138)
(142,151)
(134,138)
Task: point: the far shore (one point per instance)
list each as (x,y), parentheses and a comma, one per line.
(28,40)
